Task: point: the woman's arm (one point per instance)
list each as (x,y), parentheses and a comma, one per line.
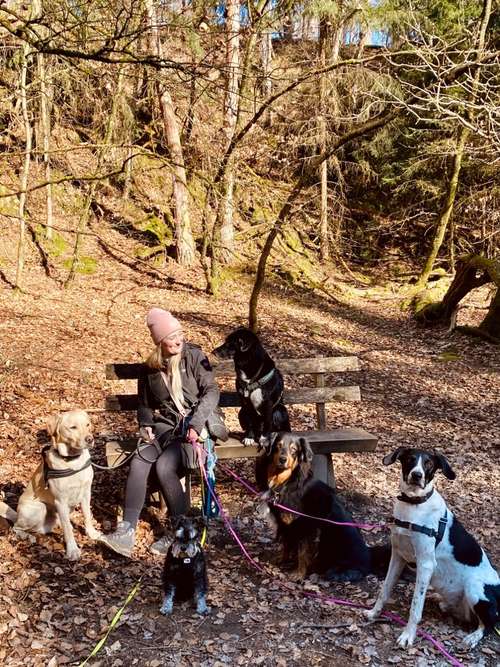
(144,411)
(208,391)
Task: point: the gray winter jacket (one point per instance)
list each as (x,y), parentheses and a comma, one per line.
(201,393)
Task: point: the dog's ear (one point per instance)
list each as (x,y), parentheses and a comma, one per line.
(53,424)
(305,451)
(442,462)
(243,345)
(389,459)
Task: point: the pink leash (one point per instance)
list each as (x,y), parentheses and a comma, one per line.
(320,596)
(251,489)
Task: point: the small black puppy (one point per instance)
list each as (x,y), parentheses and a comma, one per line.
(259,385)
(184,570)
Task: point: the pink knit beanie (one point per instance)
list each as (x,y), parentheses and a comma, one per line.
(161,324)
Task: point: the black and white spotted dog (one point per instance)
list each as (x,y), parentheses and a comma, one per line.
(184,570)
(447,557)
(259,385)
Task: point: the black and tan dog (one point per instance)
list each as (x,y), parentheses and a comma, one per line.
(284,474)
(184,570)
(259,385)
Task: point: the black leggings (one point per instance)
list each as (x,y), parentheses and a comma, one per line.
(169,470)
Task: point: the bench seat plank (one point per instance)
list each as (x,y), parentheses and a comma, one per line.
(338,441)
(230,399)
(225,368)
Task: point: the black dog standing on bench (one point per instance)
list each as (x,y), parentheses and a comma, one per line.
(184,570)
(259,385)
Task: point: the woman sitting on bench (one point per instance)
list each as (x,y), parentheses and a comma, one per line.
(177,396)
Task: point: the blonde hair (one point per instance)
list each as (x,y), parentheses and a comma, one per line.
(172,367)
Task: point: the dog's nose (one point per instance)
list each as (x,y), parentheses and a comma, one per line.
(282,460)
(417,475)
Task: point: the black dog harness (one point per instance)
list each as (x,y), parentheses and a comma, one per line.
(417,528)
(51,473)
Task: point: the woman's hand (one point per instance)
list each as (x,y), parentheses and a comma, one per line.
(146,433)
(192,435)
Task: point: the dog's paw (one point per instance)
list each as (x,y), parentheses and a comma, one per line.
(472,640)
(93,533)
(297,576)
(406,638)
(24,535)
(263,444)
(371,615)
(248,442)
(73,553)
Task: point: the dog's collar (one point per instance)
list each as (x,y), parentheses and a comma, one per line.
(51,473)
(430,532)
(253,384)
(415,500)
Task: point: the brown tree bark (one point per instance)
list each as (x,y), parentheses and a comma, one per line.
(25,168)
(472,272)
(185,248)
(224,240)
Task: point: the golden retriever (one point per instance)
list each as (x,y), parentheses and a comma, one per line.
(62,480)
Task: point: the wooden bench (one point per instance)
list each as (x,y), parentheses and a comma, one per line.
(324,442)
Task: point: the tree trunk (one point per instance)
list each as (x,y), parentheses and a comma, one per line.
(25,168)
(445,213)
(463,134)
(45,132)
(225,238)
(44,125)
(183,236)
(472,272)
(324,37)
(491,323)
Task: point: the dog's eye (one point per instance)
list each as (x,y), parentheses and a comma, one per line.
(428,464)
(73,427)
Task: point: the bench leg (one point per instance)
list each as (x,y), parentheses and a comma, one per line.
(322,467)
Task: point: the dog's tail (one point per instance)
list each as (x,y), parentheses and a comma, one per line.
(7,512)
(380,555)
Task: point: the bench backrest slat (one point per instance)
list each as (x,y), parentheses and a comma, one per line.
(304,366)
(230,399)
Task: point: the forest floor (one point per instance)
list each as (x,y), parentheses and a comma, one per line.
(419,387)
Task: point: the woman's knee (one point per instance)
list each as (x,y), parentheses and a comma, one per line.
(139,467)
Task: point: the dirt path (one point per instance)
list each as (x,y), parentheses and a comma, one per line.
(418,388)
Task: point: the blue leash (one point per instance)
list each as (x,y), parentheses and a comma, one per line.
(210,508)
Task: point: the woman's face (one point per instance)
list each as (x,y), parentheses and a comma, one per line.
(173,344)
